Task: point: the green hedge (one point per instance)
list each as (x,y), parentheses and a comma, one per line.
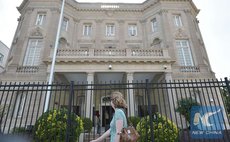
(164,129)
(87,124)
(133,120)
(52,126)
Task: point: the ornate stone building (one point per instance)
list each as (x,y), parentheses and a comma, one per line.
(156,39)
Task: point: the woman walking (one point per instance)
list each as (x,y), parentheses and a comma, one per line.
(119,120)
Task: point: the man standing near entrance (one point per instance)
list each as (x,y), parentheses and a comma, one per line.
(98,124)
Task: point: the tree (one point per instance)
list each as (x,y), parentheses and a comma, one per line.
(226,99)
(184,107)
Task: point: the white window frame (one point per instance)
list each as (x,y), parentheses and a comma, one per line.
(184,53)
(87,29)
(154,25)
(41,17)
(33,53)
(110,30)
(178,20)
(132,30)
(1,57)
(65,24)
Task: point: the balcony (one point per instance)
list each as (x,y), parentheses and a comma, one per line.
(190,69)
(27,69)
(153,55)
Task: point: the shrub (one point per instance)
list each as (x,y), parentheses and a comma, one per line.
(164,129)
(52,126)
(133,120)
(87,124)
(185,106)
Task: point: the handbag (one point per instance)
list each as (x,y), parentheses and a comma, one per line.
(129,134)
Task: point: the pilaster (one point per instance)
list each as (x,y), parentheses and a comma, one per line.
(89,95)
(130,94)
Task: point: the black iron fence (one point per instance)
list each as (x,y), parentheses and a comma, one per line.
(81,112)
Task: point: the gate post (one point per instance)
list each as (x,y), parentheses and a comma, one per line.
(69,112)
(150,110)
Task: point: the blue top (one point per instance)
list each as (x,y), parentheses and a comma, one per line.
(118,115)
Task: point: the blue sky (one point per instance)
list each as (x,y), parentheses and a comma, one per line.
(214,24)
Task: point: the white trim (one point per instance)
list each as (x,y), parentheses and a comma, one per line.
(65,24)
(183,47)
(40,19)
(132,30)
(87,29)
(33,52)
(177,20)
(154,25)
(110,30)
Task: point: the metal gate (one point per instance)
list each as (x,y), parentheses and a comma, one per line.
(177,109)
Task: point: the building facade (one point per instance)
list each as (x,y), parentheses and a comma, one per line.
(156,39)
(102,42)
(4,50)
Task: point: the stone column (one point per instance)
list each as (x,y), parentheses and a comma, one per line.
(130,95)
(89,95)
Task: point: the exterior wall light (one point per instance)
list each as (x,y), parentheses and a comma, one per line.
(110,67)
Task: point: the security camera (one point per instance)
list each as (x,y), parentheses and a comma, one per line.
(165,67)
(110,67)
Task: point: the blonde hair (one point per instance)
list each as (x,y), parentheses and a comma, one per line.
(118,100)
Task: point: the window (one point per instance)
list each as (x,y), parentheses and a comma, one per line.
(87,29)
(132,30)
(65,23)
(177,21)
(1,58)
(41,18)
(154,25)
(33,52)
(184,53)
(110,30)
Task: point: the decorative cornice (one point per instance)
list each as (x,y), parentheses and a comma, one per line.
(143,21)
(54,10)
(76,20)
(187,10)
(29,9)
(121,21)
(103,60)
(37,32)
(180,34)
(98,20)
(162,11)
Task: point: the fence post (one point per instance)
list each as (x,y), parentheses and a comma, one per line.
(69,111)
(150,110)
(227,85)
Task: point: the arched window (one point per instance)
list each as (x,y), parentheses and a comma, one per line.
(62,43)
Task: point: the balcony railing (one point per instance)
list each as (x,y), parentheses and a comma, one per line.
(27,69)
(112,53)
(190,69)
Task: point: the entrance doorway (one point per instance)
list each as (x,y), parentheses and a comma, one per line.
(107,115)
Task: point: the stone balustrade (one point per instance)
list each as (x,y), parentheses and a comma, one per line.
(27,69)
(112,53)
(190,69)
